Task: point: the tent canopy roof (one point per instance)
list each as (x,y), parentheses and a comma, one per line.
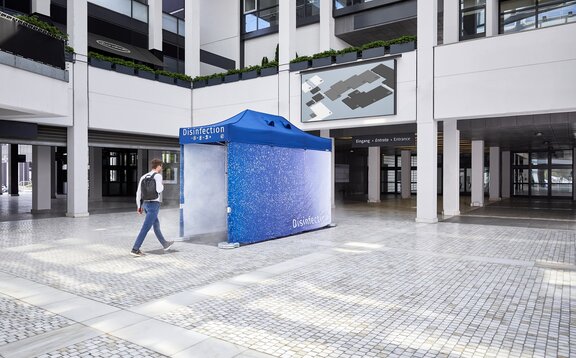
(255,128)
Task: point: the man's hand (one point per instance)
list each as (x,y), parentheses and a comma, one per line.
(139,210)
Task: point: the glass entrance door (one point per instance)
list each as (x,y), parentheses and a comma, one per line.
(542,174)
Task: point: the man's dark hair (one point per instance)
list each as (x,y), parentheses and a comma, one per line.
(155,163)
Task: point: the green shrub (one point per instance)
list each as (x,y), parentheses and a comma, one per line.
(53,30)
(270,64)
(327,53)
(301,59)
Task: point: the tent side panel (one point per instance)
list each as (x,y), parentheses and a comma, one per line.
(205,199)
(276,191)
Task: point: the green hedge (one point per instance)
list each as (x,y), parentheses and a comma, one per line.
(53,30)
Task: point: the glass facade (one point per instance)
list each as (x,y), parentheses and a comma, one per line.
(134,9)
(261,15)
(521,15)
(472,19)
(547,174)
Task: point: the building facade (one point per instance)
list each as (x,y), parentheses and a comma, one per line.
(485,105)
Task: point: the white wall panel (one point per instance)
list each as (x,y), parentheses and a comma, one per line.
(255,49)
(307,40)
(38,95)
(130,104)
(217,103)
(524,73)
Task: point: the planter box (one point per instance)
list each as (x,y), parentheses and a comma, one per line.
(166,79)
(146,74)
(124,69)
(347,57)
(100,64)
(405,47)
(268,71)
(297,66)
(69,56)
(232,78)
(249,75)
(199,84)
(373,52)
(183,83)
(322,62)
(215,81)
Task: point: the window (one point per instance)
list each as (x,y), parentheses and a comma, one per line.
(521,15)
(260,15)
(307,8)
(472,19)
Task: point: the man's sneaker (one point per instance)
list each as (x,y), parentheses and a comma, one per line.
(137,253)
(168,245)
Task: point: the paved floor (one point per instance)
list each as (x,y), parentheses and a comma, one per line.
(377,285)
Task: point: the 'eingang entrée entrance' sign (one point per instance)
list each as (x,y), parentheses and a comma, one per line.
(384,140)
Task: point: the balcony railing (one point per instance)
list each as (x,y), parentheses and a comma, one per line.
(23,39)
(131,8)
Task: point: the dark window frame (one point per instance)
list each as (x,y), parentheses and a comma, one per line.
(536,8)
(463,36)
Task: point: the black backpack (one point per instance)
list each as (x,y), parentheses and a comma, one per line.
(148,188)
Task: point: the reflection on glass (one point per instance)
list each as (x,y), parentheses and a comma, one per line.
(113,175)
(539,158)
(520,159)
(170,23)
(520,189)
(140,11)
(562,157)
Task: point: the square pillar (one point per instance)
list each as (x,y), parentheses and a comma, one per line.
(477,179)
(505,183)
(41,178)
(326,25)
(286,51)
(406,176)
(494,184)
(155,25)
(95,191)
(41,7)
(374,169)
(451,169)
(451,31)
(192,38)
(77,141)
(1,170)
(492,16)
(13,169)
(325,133)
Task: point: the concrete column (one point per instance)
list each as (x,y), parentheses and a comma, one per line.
(325,133)
(374,169)
(41,178)
(451,32)
(53,176)
(326,26)
(155,24)
(95,174)
(192,38)
(477,178)
(573,172)
(494,184)
(505,184)
(13,169)
(492,17)
(77,142)
(451,169)
(41,7)
(406,176)
(286,40)
(427,128)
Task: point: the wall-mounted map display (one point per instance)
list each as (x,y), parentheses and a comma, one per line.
(364,90)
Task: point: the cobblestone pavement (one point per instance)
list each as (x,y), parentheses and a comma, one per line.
(376,285)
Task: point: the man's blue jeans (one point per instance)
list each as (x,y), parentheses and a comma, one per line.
(151,208)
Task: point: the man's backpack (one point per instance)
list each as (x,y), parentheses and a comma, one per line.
(148,188)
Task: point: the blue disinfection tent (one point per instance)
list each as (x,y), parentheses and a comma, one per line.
(253,177)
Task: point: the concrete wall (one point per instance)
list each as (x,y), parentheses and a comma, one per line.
(216,103)
(223,39)
(523,73)
(255,49)
(124,103)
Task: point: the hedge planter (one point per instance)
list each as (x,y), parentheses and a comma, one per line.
(69,56)
(199,84)
(249,74)
(182,83)
(146,74)
(405,47)
(100,63)
(347,57)
(297,66)
(215,81)
(268,71)
(232,78)
(322,62)
(124,69)
(166,79)
(373,52)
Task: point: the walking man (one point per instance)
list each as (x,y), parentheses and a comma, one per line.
(148,199)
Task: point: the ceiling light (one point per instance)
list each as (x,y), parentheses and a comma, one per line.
(538,134)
